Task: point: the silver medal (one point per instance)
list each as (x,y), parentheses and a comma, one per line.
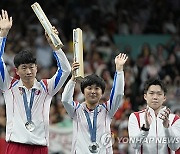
(30,126)
(94,147)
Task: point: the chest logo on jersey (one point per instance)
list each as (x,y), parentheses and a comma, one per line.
(21,91)
(37,92)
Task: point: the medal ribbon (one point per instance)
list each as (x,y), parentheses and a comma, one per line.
(28,108)
(92,129)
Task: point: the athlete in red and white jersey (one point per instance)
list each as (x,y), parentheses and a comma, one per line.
(28,100)
(91,120)
(154,130)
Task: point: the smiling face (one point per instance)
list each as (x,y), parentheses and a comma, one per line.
(92,95)
(93,88)
(155,97)
(27,72)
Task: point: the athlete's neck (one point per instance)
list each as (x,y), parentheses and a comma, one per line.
(28,85)
(91,106)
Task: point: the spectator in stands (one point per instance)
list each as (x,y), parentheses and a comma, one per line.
(171,67)
(91,111)
(154,128)
(27,100)
(150,70)
(145,53)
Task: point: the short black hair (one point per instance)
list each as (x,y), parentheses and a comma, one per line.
(24,57)
(93,79)
(155,81)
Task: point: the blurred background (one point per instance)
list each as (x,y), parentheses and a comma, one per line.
(148,31)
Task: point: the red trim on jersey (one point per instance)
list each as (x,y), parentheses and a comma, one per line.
(76,103)
(138,118)
(178,151)
(176,117)
(13,80)
(45,83)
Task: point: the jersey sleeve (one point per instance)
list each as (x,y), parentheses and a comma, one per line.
(67,99)
(116,95)
(5,78)
(54,84)
(173,132)
(136,135)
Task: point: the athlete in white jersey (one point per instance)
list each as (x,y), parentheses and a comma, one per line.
(91,120)
(154,130)
(28,100)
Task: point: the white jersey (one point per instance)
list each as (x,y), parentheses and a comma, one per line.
(44,91)
(81,136)
(158,140)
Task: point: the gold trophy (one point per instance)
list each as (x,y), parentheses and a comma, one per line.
(78,52)
(46,24)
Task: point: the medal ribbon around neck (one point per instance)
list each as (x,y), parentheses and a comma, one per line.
(92,129)
(28,108)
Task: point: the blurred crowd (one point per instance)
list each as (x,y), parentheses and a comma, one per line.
(100,20)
